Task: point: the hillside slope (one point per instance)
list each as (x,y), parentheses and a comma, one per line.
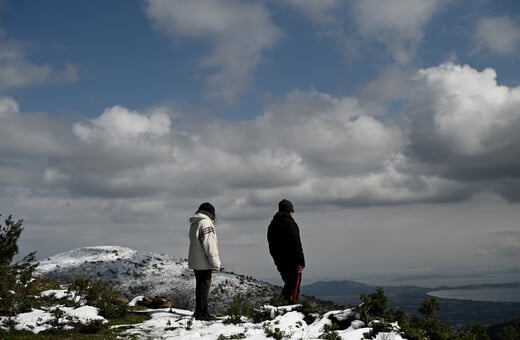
(135,273)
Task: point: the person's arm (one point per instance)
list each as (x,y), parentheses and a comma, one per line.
(208,238)
(296,244)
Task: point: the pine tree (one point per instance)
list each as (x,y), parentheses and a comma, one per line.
(14,275)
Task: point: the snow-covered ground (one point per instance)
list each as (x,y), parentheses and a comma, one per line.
(58,316)
(178,324)
(286,322)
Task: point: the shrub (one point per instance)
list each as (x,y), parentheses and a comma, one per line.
(330,332)
(278,300)
(473,332)
(510,332)
(276,333)
(100,295)
(239,307)
(374,305)
(429,308)
(14,295)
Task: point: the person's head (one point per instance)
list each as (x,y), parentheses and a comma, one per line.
(285,206)
(208,209)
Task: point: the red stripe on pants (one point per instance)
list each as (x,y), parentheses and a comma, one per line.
(294,294)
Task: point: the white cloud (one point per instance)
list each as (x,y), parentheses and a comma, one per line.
(309,141)
(8,106)
(498,34)
(467,113)
(239,33)
(16,71)
(397,24)
(121,125)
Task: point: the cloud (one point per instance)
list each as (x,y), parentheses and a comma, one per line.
(239,33)
(119,125)
(502,243)
(397,24)
(16,71)
(464,112)
(325,150)
(460,139)
(8,106)
(366,25)
(465,126)
(28,135)
(500,35)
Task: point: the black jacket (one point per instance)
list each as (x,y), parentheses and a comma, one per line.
(284,241)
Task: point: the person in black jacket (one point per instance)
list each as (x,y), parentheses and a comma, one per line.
(286,249)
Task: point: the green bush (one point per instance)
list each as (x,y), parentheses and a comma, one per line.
(278,300)
(429,308)
(330,332)
(276,333)
(510,332)
(14,291)
(373,305)
(239,307)
(473,332)
(100,295)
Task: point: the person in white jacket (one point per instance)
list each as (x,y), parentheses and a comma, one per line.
(203,256)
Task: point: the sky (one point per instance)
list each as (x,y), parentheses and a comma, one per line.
(393,126)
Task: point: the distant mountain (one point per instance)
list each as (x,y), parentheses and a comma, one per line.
(135,273)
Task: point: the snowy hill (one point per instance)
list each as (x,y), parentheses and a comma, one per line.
(135,273)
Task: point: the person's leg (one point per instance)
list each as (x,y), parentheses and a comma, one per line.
(203,279)
(198,294)
(291,288)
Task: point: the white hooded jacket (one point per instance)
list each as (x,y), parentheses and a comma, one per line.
(203,253)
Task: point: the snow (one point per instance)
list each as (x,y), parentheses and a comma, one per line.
(178,324)
(39,320)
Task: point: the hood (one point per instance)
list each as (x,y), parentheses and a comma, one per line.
(197,217)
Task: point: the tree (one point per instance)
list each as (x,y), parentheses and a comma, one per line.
(15,275)
(510,332)
(374,304)
(429,308)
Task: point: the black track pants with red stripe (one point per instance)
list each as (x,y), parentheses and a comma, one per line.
(291,288)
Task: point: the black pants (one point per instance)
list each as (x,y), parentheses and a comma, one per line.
(202,286)
(291,288)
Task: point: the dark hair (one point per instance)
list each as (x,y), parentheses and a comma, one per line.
(208,209)
(285,206)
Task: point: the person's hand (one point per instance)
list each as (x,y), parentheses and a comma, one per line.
(299,269)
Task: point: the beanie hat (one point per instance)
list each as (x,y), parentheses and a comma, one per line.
(206,208)
(285,206)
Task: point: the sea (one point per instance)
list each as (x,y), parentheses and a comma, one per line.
(480,294)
